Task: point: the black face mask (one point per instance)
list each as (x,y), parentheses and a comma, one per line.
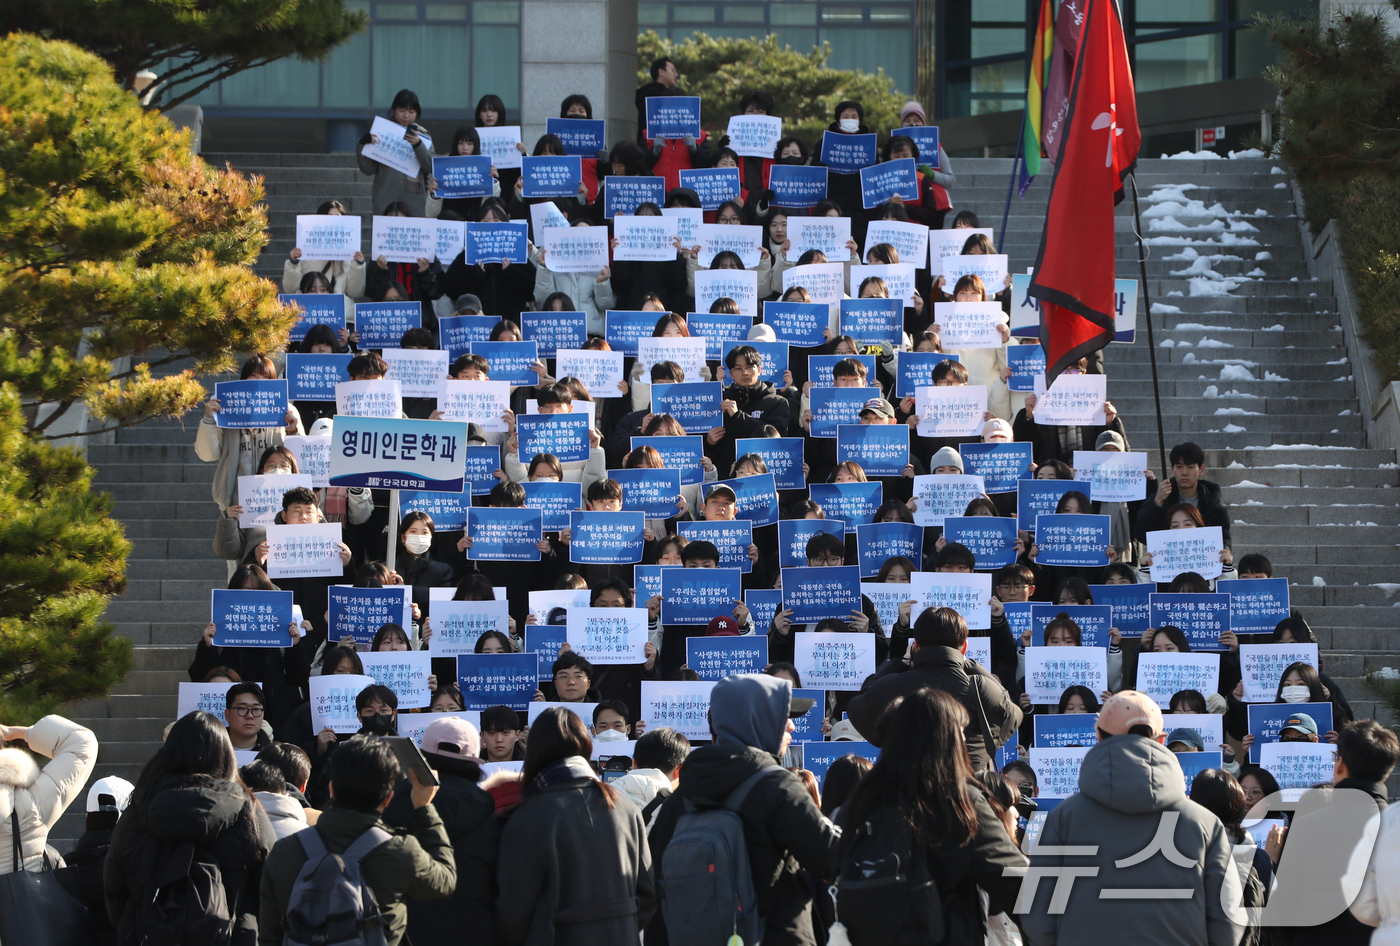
(791,159)
(380,724)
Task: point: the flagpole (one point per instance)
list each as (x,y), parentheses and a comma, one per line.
(1151,343)
(1015,163)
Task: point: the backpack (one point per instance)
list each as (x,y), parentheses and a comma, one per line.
(185,903)
(883,894)
(706,879)
(330,904)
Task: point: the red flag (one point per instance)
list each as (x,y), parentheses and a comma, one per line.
(1074,270)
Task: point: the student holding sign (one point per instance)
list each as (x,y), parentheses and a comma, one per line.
(341,275)
(587,292)
(398,181)
(932,204)
(505,289)
(1188,463)
(403,280)
(825,550)
(636,284)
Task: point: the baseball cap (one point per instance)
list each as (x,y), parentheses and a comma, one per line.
(111,793)
(1301,722)
(452,738)
(844,731)
(1122,711)
(475,432)
(323,427)
(1110,438)
(996,427)
(723,626)
(466,303)
(1188,737)
(725,489)
(879,406)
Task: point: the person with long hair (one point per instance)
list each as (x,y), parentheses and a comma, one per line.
(924,774)
(572,847)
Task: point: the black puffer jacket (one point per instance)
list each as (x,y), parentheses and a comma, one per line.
(758,405)
(1152,517)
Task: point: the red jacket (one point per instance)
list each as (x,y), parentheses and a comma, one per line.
(673,159)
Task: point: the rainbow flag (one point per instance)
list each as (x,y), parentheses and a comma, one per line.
(1035,93)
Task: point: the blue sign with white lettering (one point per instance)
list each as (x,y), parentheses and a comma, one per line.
(855,503)
(797,186)
(448,510)
(1040,497)
(1065,730)
(510,361)
(815,593)
(1266,721)
(488,680)
(672,116)
(317,308)
(624,327)
(623,195)
(459,332)
(756,498)
(555,500)
(563,435)
(463,176)
(915,370)
(798,323)
(497,242)
(1201,617)
(553,332)
(1027,362)
(773,359)
(809,724)
(550,175)
(713,185)
(847,154)
(880,449)
(695,405)
(314,377)
(818,756)
(925,138)
(782,455)
(382,324)
(990,539)
(1129,603)
(581,136)
(251,618)
(880,182)
(873,321)
(732,540)
(763,603)
(483,460)
(794,534)
(715,658)
(1072,539)
(606,538)
(248,405)
(1093,621)
(697,595)
(1001,466)
(819,370)
(1257,605)
(678,453)
(833,407)
(716,328)
(650,491)
(544,640)
(880,541)
(504,534)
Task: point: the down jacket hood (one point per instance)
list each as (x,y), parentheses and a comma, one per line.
(17,768)
(197,809)
(1132,774)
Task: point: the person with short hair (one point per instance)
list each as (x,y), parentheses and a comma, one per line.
(244,706)
(107,800)
(500,735)
(1188,463)
(295,766)
(656,764)
(268,786)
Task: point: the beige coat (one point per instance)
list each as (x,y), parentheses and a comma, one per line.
(40,796)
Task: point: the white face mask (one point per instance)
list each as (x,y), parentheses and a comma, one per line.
(850,125)
(1295,694)
(417,544)
(276,471)
(610,735)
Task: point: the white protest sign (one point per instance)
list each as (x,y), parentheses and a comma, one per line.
(950,410)
(381,399)
(1299,764)
(418,371)
(682,705)
(1114,476)
(1057,770)
(451,240)
(211,698)
(970,325)
(313,458)
(834,661)
(545,603)
(887,597)
(990,268)
(1075,399)
(945,243)
(456,625)
(575,249)
(898,277)
(1211,726)
(260,497)
(475,402)
(1175,551)
(910,240)
(827,234)
(1161,676)
(608,635)
(599,371)
(403,239)
(499,144)
(403,671)
(413,725)
(824,282)
(1262,666)
(754,136)
(584,711)
(333,701)
(1052,670)
(746,242)
(309,551)
(390,149)
(741,285)
(545,215)
(689,353)
(969,595)
(644,239)
(329,236)
(590,408)
(980,650)
(688,220)
(938,496)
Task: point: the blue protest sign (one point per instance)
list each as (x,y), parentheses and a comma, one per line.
(782,455)
(678,453)
(814,593)
(315,308)
(731,538)
(606,538)
(1027,362)
(504,534)
(833,407)
(251,618)
(1194,763)
(1201,617)
(581,136)
(797,186)
(482,463)
(818,756)
(649,491)
(880,541)
(397,453)
(1257,605)
(715,658)
(382,324)
(773,359)
(544,640)
(457,333)
(914,369)
(564,435)
(314,377)
(1008,751)
(1266,721)
(880,449)
(794,534)
(1001,466)
(809,724)
(673,116)
(497,242)
(555,500)
(763,603)
(624,327)
(925,138)
(855,503)
(713,185)
(553,332)
(756,498)
(623,195)
(245,405)
(1093,620)
(1065,730)
(646,581)
(873,321)
(847,154)
(798,323)
(550,175)
(510,361)
(819,369)
(463,176)
(695,405)
(1018,615)
(488,680)
(361,612)
(696,595)
(880,182)
(448,510)
(716,328)
(990,539)
(1074,540)
(1040,497)
(1129,604)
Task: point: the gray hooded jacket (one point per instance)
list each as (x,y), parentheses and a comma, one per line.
(1130,788)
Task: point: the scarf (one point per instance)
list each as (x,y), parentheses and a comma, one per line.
(575,766)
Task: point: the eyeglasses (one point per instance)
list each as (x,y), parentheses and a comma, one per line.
(1252,793)
(564,676)
(1025,788)
(829,560)
(253,711)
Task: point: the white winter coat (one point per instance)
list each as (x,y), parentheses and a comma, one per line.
(284,811)
(1378,903)
(40,796)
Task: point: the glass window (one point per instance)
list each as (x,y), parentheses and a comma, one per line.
(801,40)
(651,14)
(889,15)
(733,13)
(1157,16)
(991,10)
(689,14)
(289,82)
(426,59)
(445,11)
(1172,63)
(841,16)
(345,76)
(792,15)
(872,49)
(980,90)
(997,42)
(395,11)
(495,64)
(496,11)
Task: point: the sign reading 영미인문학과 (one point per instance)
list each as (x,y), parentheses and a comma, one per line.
(398,453)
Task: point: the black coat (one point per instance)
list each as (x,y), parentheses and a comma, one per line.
(758,406)
(88,859)
(633,279)
(1152,517)
(503,290)
(1045,438)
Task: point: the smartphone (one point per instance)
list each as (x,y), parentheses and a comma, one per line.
(411,759)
